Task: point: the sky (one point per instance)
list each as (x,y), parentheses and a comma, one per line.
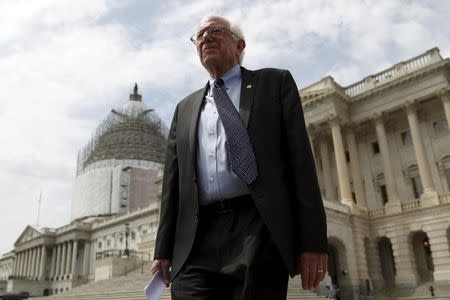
(65,64)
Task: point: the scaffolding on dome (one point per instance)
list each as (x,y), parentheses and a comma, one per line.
(137,121)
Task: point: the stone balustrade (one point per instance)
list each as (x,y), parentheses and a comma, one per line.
(377,213)
(394,72)
(444,198)
(411,205)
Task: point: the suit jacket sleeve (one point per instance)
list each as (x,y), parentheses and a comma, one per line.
(169,200)
(312,227)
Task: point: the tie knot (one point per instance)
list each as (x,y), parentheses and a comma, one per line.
(219,83)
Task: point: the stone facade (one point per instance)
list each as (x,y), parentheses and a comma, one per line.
(382,151)
(50,261)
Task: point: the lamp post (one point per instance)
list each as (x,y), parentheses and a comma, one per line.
(126,252)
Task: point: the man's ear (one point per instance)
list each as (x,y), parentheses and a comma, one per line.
(241,45)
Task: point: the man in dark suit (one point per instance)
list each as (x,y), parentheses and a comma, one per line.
(241,208)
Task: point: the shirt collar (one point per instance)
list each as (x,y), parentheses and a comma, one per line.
(228,76)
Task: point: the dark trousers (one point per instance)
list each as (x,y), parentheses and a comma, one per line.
(233,258)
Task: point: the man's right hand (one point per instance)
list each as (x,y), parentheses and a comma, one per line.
(162,265)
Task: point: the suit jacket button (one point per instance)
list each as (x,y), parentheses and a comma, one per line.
(194,179)
(196,215)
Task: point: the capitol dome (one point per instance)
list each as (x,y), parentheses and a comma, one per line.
(118,169)
(133,132)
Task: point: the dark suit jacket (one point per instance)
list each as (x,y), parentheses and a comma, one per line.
(286,192)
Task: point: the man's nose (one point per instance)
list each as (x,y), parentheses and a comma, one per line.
(206,35)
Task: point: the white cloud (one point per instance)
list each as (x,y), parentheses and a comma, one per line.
(64,64)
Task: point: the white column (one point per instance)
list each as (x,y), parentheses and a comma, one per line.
(17,264)
(393,204)
(28,263)
(58,261)
(63,259)
(69,258)
(358,184)
(32,257)
(330,192)
(43,263)
(53,263)
(22,263)
(445,97)
(310,130)
(23,270)
(74,259)
(429,196)
(86,256)
(37,262)
(341,164)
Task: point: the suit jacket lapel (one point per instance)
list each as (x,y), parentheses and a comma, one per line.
(195,113)
(247,95)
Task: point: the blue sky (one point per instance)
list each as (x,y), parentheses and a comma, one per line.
(65,64)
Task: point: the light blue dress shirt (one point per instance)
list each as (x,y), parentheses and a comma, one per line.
(215,178)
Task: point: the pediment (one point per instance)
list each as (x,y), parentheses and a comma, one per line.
(28,234)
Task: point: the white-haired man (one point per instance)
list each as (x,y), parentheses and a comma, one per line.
(241,208)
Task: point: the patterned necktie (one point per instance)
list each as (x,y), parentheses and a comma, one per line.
(240,152)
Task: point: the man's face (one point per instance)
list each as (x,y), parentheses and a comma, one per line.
(218,51)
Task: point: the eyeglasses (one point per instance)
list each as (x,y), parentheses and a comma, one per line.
(212,31)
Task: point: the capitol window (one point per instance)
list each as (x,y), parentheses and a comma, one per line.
(444,170)
(417,186)
(440,127)
(382,188)
(384,194)
(412,174)
(447,173)
(375,148)
(406,138)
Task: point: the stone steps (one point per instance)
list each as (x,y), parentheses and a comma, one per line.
(131,287)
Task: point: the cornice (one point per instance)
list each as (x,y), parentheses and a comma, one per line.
(313,99)
(444,94)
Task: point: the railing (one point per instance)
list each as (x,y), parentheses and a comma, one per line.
(377,213)
(120,253)
(411,205)
(408,206)
(444,198)
(396,71)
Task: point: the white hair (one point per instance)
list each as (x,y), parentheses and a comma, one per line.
(237,30)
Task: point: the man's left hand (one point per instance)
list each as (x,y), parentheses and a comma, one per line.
(312,266)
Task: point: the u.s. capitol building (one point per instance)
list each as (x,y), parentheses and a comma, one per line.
(382,150)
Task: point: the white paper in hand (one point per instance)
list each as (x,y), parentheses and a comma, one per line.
(155,287)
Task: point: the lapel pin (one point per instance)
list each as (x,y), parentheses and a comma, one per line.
(249,86)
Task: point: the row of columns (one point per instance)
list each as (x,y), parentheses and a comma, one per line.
(64,261)
(345,190)
(429,196)
(31,263)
